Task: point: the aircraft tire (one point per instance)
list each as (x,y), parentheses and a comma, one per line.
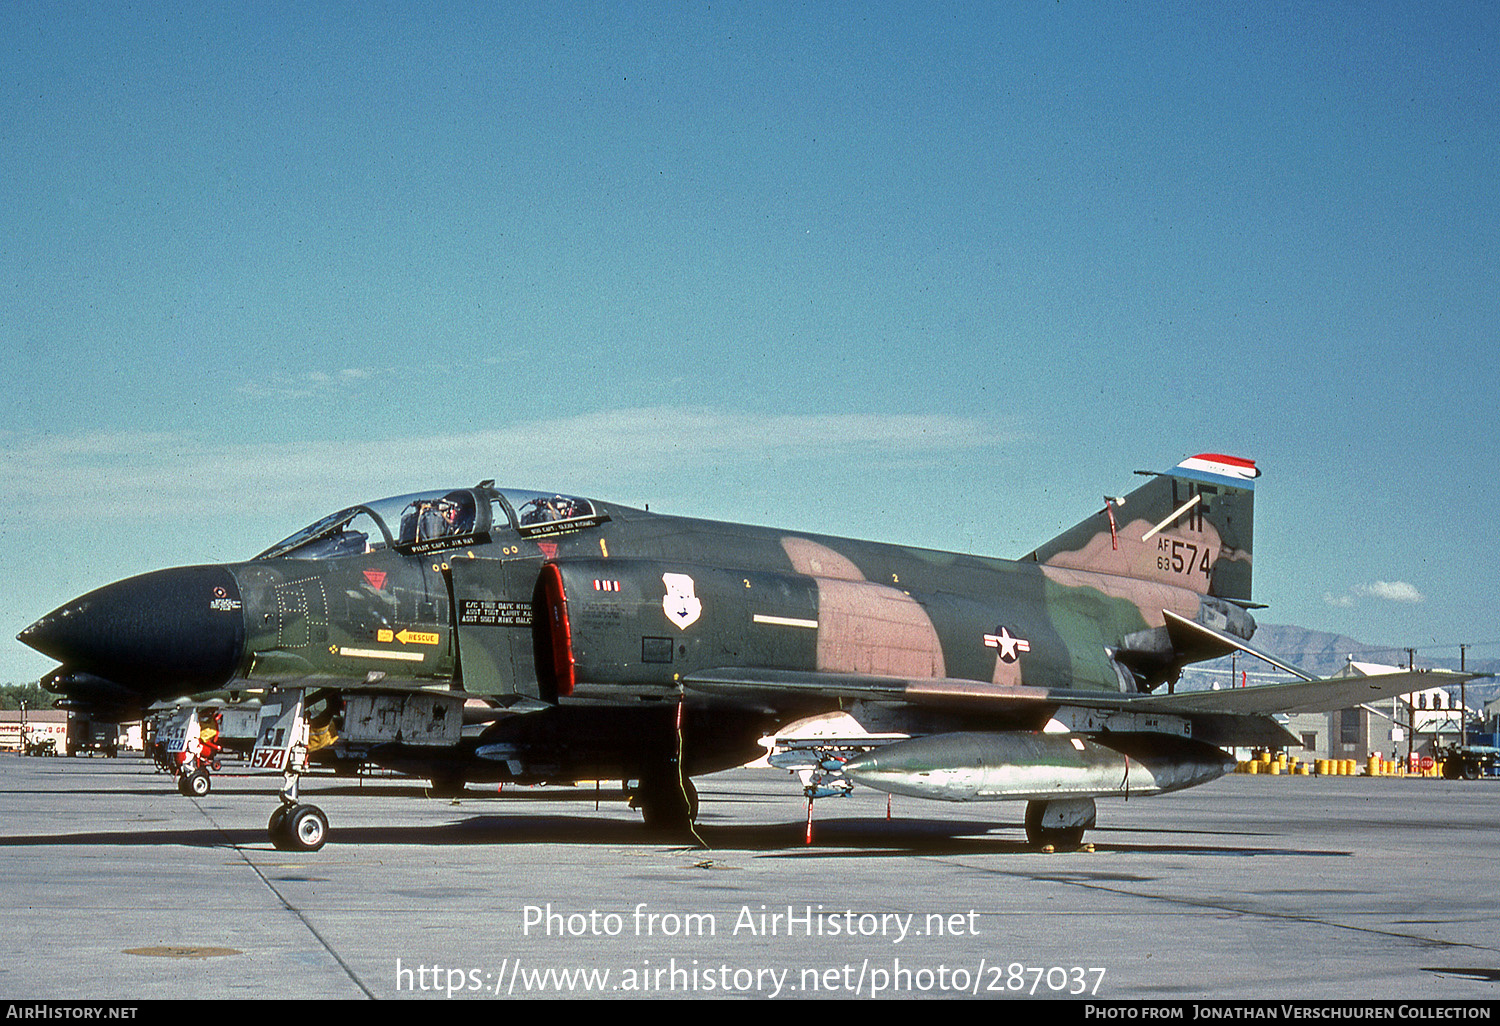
(195,785)
(1061,838)
(276,828)
(1070,839)
(305,828)
(446,787)
(1471,769)
(667,806)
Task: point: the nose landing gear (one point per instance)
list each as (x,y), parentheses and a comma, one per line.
(298,827)
(281,743)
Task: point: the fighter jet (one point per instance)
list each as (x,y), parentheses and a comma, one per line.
(608,642)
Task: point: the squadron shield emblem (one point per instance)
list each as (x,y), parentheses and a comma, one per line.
(681,606)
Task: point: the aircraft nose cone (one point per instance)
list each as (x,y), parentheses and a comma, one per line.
(179,628)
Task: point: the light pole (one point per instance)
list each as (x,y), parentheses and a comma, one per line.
(1463,695)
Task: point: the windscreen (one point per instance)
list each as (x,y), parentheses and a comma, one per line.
(411,523)
(433,521)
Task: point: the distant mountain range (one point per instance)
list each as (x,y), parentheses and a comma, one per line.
(1323,653)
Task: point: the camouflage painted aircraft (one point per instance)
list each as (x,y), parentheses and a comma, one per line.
(606,642)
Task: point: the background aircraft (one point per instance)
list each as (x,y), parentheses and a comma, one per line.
(612,643)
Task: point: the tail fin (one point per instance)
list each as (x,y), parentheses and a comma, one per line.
(1190,527)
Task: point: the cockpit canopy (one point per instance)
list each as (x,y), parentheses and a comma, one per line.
(432,521)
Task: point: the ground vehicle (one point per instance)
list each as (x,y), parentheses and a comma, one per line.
(1470,761)
(87,735)
(39,744)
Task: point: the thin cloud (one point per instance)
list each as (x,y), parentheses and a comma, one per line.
(1393,591)
(309,385)
(1384,591)
(125,473)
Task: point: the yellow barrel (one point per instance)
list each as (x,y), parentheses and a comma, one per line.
(1253,766)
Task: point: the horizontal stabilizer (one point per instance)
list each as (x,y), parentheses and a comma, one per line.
(1181,628)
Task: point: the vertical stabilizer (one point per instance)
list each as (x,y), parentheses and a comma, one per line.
(1190,527)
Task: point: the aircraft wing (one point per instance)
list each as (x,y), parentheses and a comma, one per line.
(1301,696)
(789,685)
(1312,695)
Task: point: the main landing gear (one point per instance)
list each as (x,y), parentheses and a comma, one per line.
(1059,824)
(669,805)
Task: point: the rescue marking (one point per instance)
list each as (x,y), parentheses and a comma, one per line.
(784,621)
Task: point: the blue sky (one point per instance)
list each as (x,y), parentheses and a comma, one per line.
(936,273)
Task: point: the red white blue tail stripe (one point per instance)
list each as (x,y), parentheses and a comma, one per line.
(1214,468)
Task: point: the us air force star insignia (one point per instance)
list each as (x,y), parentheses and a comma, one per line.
(1009,646)
(681,606)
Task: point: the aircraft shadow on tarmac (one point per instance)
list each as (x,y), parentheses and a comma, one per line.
(832,838)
